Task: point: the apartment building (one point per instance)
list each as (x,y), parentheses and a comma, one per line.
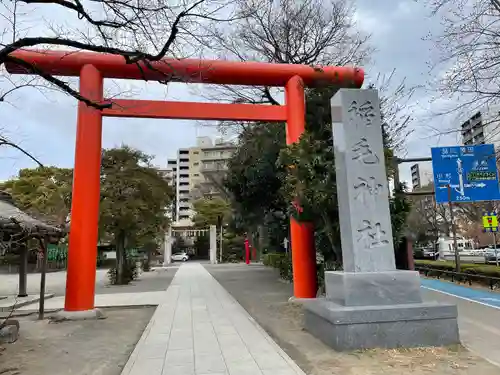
(197,172)
(483,127)
(421,175)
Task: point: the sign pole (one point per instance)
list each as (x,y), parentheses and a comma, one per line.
(495,247)
(285,245)
(454,230)
(221,239)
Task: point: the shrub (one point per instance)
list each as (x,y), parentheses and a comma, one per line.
(285,267)
(467,268)
(320,272)
(273,259)
(130,273)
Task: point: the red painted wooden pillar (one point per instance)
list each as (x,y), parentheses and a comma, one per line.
(82,254)
(247,251)
(302,233)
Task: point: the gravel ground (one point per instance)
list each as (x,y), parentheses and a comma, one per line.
(259,290)
(56,283)
(91,347)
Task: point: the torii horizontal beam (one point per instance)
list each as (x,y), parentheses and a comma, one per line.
(67,63)
(195,111)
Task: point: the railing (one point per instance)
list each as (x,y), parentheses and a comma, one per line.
(215,167)
(459,276)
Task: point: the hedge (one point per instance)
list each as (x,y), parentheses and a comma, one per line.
(273,259)
(467,268)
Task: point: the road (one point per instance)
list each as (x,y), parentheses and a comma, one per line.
(478,315)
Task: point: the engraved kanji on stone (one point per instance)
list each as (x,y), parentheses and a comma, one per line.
(372,234)
(364,111)
(367,189)
(363,152)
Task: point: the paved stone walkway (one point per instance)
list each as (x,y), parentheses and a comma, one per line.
(199,329)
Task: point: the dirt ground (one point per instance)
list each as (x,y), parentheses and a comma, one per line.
(91,347)
(260,292)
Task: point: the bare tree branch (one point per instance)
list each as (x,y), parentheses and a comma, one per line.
(5,142)
(467,63)
(142,20)
(140,31)
(309,32)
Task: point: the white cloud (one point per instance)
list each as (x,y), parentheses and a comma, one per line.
(370,24)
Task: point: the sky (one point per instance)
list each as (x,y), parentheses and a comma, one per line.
(45,123)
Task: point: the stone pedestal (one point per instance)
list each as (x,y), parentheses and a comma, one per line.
(373,288)
(370,304)
(391,326)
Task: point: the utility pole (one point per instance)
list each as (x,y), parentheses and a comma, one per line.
(397,188)
(454,231)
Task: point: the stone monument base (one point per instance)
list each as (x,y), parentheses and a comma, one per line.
(389,326)
(64,315)
(373,288)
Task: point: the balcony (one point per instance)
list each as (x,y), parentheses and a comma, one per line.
(209,167)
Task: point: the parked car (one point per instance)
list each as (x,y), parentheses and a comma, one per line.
(180,257)
(489,257)
(430,253)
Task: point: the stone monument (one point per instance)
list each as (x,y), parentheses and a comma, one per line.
(370,304)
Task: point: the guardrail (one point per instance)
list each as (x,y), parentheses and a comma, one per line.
(459,276)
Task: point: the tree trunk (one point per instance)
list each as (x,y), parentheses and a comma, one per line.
(23,270)
(41,306)
(149,259)
(336,250)
(121,258)
(261,241)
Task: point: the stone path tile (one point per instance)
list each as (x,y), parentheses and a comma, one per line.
(200,329)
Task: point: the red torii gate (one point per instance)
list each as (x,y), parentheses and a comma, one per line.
(92,68)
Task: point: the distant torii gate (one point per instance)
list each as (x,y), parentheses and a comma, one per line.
(92,68)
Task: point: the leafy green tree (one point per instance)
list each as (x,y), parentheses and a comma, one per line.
(179,245)
(208,211)
(134,199)
(43,191)
(202,245)
(311,178)
(265,175)
(253,180)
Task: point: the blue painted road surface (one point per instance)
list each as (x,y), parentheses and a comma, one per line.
(484,297)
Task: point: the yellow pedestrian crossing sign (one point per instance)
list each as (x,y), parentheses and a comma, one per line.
(490,222)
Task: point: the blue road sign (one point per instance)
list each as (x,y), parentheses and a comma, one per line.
(470,171)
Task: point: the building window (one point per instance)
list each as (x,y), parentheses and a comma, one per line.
(196,164)
(196,175)
(195,153)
